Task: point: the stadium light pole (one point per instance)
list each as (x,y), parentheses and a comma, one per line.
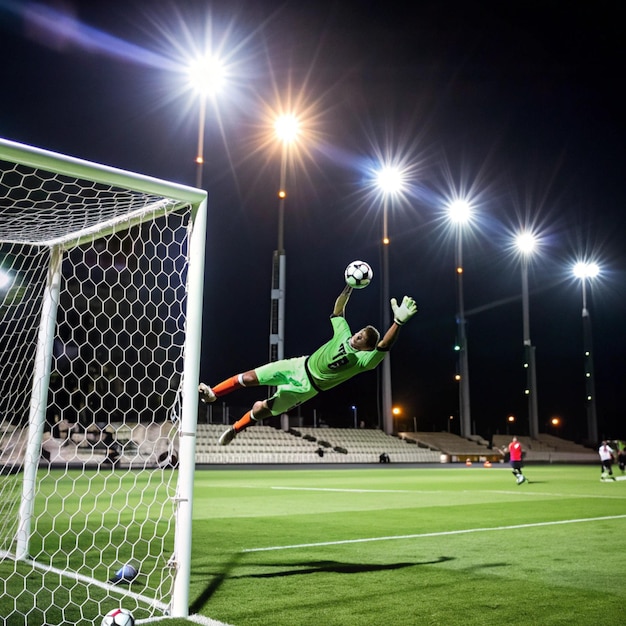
(287,128)
(390,182)
(206,76)
(585,271)
(459,212)
(526,244)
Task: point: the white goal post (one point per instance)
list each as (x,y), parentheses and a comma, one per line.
(101,288)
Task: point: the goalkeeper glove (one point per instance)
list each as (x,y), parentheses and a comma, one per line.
(405,311)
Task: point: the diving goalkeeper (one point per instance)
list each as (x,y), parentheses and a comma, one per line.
(300,379)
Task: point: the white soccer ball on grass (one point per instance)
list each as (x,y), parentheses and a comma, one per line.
(118,617)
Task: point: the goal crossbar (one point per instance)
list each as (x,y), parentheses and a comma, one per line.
(62,164)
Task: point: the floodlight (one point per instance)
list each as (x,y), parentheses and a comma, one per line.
(460,211)
(526,242)
(390,180)
(287,127)
(207,75)
(586,270)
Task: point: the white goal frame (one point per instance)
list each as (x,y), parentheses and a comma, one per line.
(182,196)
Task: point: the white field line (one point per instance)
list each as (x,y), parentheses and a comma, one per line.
(555,495)
(522,490)
(439,534)
(352,490)
(196,619)
(88,580)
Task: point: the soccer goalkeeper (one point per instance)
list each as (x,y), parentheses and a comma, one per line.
(301,378)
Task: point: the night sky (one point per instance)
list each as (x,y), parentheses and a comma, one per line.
(515,105)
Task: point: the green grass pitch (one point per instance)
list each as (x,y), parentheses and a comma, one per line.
(407,545)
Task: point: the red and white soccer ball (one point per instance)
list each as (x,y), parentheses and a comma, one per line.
(358,274)
(118,617)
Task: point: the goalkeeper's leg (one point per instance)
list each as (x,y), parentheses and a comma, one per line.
(259,412)
(286,398)
(293,387)
(210,394)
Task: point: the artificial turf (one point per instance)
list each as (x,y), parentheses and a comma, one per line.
(392,544)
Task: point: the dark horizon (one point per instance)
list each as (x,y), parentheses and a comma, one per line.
(516,107)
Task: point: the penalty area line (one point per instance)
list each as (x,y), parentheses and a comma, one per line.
(444,533)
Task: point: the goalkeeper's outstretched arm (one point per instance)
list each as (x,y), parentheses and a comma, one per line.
(402,313)
(341,301)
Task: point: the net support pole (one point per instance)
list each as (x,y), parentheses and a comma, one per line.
(187,438)
(38,400)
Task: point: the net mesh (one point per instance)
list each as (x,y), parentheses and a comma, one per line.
(107,468)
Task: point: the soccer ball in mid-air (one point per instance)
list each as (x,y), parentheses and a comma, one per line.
(358,274)
(118,617)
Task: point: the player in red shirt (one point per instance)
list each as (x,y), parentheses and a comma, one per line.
(515,458)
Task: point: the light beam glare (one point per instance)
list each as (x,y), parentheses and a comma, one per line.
(5,279)
(61,30)
(463,193)
(295,119)
(390,168)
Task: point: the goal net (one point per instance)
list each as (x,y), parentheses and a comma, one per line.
(101,275)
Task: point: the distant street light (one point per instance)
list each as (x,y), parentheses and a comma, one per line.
(510,420)
(555,424)
(287,129)
(526,244)
(585,271)
(390,181)
(460,213)
(206,76)
(396,411)
(354,415)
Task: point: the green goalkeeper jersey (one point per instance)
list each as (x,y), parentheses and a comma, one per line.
(336,361)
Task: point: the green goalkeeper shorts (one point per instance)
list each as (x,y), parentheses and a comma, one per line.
(293,386)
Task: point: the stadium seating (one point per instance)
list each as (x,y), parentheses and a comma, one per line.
(453,446)
(264,444)
(549,449)
(260,444)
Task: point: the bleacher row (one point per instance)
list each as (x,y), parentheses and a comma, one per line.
(264,444)
(549,448)
(453,446)
(260,444)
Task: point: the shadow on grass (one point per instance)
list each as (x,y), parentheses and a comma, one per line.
(215,584)
(299,569)
(336,567)
(478,568)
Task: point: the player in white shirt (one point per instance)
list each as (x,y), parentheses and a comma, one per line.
(607,456)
